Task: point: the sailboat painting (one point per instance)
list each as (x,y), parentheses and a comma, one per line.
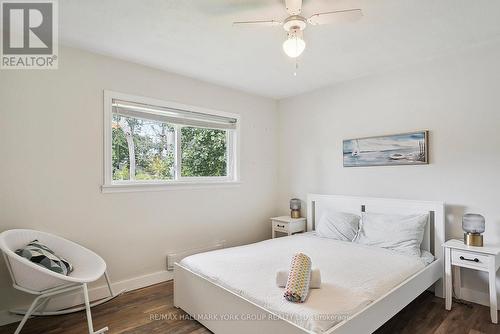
(400,149)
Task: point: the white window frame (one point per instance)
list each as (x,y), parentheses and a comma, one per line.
(179,182)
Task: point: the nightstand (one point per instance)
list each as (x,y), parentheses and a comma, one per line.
(458,255)
(287,225)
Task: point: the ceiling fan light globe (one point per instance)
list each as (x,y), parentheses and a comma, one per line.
(294,46)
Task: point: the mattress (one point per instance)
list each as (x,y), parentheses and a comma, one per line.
(352,275)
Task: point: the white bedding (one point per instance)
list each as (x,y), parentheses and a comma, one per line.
(352,275)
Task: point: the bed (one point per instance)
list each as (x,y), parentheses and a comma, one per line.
(233,290)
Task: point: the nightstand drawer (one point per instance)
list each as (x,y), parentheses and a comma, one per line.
(288,225)
(469,259)
(280,226)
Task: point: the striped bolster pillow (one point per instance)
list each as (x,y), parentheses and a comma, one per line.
(297,285)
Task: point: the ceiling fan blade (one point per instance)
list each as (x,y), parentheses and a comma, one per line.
(346,15)
(268,23)
(293,7)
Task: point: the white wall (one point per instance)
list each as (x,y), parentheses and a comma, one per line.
(51,148)
(51,170)
(455,97)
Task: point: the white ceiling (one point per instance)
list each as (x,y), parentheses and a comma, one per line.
(196,38)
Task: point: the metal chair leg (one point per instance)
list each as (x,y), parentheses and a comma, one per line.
(43,305)
(28,314)
(89,314)
(49,295)
(108,282)
(42,300)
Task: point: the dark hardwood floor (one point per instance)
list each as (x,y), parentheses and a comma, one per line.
(135,312)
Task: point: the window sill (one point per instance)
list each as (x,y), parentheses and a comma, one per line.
(162,186)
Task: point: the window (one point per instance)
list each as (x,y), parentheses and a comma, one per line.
(151,144)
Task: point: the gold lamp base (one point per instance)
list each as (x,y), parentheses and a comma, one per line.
(473,239)
(295,214)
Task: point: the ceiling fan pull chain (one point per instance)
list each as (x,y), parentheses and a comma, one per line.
(296,67)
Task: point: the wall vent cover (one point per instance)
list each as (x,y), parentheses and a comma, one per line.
(178,256)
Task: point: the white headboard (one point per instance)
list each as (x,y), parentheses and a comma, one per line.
(435,229)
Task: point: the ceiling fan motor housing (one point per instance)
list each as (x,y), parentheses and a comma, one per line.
(295,22)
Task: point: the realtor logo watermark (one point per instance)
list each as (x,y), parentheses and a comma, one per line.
(29,34)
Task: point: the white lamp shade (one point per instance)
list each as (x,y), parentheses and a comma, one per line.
(294,45)
(295,204)
(473,223)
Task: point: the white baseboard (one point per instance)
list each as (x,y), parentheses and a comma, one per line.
(95,293)
(7,318)
(474,296)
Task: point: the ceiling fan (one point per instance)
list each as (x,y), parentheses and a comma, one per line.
(295,24)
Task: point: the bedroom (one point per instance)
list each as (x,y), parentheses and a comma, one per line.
(392,67)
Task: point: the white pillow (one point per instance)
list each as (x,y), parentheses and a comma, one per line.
(401,233)
(338,225)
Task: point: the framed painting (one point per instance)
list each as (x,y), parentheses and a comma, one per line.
(392,150)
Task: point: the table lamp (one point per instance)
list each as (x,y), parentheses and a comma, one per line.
(295,207)
(473,225)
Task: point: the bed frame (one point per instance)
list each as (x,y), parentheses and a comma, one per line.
(224,312)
